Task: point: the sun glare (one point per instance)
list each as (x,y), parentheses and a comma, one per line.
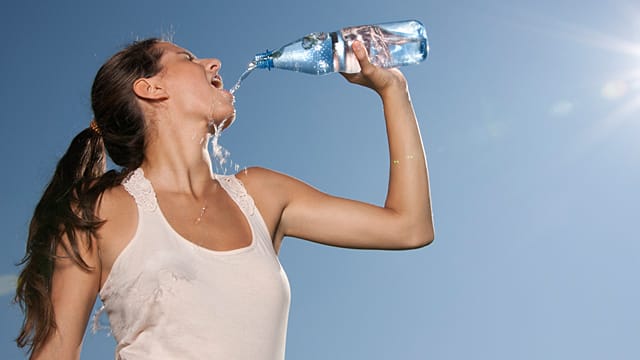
(623,91)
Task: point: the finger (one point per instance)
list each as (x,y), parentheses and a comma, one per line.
(361,54)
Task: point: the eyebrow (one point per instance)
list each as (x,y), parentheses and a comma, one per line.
(186,53)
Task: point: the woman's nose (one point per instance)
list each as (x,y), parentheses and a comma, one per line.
(213,64)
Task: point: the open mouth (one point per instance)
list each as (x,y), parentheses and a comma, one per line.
(216,81)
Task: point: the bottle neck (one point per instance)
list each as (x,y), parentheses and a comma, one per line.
(264,60)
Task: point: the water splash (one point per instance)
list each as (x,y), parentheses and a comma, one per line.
(221,157)
(218,153)
(252,66)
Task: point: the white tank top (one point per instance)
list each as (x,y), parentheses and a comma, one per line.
(168,298)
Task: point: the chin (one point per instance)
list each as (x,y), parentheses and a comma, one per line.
(226,122)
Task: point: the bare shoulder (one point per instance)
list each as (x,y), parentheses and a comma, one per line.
(263,177)
(258,174)
(263,182)
(256,178)
(114,202)
(120,214)
(271,191)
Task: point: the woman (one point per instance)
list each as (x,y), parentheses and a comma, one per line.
(185,261)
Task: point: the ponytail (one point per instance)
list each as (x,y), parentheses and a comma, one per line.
(66,207)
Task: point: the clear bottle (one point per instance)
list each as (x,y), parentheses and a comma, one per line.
(389,45)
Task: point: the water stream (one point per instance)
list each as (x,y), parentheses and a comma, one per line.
(252,66)
(220,157)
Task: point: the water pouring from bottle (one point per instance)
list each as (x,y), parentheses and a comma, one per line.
(252,66)
(390,44)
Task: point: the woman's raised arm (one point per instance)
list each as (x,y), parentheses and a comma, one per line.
(405,220)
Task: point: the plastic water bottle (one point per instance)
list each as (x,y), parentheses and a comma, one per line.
(389,45)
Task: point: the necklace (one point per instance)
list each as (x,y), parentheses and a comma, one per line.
(202,211)
(204,208)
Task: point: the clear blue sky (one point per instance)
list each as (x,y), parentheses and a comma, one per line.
(530,114)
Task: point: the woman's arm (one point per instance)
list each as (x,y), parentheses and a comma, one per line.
(73,294)
(404,222)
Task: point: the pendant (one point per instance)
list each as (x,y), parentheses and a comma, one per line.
(202,211)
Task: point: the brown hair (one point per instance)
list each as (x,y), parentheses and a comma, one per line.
(67,207)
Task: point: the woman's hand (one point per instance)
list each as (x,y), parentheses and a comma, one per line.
(379,79)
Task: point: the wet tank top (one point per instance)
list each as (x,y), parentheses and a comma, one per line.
(168,298)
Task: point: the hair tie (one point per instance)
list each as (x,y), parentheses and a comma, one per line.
(93,125)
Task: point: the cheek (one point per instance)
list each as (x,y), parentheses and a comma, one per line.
(190,98)
(221,108)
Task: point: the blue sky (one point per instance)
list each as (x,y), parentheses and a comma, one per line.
(530,115)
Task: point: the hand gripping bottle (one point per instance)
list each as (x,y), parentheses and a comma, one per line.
(389,45)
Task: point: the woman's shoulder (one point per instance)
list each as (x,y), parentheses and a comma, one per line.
(260,179)
(275,186)
(114,200)
(119,211)
(265,185)
(260,175)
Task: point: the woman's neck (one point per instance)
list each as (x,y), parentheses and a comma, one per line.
(177,161)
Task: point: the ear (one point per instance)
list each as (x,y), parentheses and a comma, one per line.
(148,89)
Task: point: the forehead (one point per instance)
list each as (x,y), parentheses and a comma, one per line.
(171,47)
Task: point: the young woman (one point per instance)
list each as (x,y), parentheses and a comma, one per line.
(184,260)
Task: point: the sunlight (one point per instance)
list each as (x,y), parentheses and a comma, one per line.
(623,90)
(614,89)
(626,92)
(620,93)
(615,104)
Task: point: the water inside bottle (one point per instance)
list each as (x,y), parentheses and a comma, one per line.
(386,48)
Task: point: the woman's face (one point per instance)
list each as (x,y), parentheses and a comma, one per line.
(194,87)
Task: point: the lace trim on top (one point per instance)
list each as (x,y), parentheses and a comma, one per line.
(140,188)
(236,187)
